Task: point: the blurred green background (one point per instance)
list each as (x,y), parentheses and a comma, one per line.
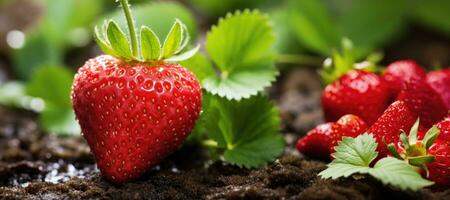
(43,42)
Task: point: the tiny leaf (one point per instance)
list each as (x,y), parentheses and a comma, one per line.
(102,44)
(173,40)
(413,132)
(359,151)
(184,56)
(118,41)
(421,160)
(150,45)
(430,137)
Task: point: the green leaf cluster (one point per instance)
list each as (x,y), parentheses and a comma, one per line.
(354,156)
(239,123)
(113,41)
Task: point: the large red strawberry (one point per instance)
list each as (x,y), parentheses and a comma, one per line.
(320,141)
(424,101)
(399,72)
(398,116)
(357,92)
(431,153)
(135,107)
(440,81)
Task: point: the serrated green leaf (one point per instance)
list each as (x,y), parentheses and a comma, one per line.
(173,40)
(359,151)
(395,172)
(354,155)
(199,65)
(240,47)
(118,41)
(183,56)
(150,45)
(247,130)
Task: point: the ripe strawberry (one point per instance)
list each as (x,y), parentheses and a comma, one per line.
(349,126)
(444,129)
(135,108)
(358,92)
(432,154)
(320,141)
(399,72)
(398,116)
(424,101)
(440,81)
(317,141)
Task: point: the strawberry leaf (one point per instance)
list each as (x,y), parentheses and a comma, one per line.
(240,47)
(354,155)
(173,40)
(118,41)
(150,45)
(247,131)
(199,65)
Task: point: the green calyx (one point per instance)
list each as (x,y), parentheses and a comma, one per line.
(345,60)
(113,41)
(415,151)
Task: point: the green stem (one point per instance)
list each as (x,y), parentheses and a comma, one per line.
(131,26)
(299,59)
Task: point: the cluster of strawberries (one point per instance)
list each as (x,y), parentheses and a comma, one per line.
(385,105)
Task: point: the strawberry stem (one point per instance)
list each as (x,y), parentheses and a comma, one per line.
(131,27)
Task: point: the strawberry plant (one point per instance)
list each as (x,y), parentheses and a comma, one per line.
(136,105)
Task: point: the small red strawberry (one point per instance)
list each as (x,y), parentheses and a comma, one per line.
(399,72)
(444,129)
(398,116)
(135,107)
(317,141)
(424,101)
(432,154)
(350,126)
(320,141)
(357,92)
(440,81)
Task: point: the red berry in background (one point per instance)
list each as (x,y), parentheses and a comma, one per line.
(397,117)
(133,114)
(320,141)
(399,72)
(439,169)
(349,126)
(133,106)
(359,93)
(439,80)
(444,129)
(317,141)
(424,101)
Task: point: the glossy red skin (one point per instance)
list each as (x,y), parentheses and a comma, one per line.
(134,115)
(399,72)
(398,116)
(358,92)
(439,80)
(439,169)
(424,101)
(349,126)
(317,141)
(444,129)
